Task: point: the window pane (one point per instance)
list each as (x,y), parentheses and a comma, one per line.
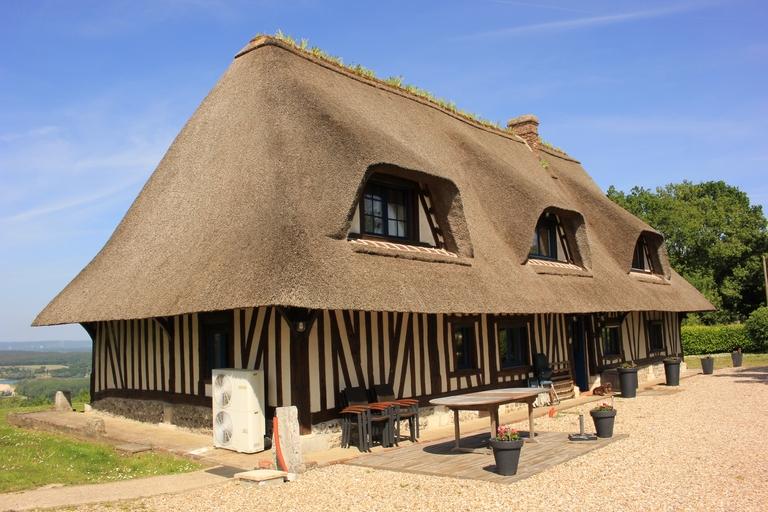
(535,244)
(544,242)
(638,257)
(392,227)
(656,335)
(503,346)
(611,341)
(462,346)
(386,211)
(377,208)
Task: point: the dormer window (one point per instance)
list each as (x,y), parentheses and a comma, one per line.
(409,211)
(641,258)
(549,240)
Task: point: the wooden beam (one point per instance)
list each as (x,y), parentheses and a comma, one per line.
(90,328)
(300,321)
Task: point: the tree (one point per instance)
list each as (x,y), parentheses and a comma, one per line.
(715,239)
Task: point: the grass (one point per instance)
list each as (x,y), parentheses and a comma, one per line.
(724,360)
(31,459)
(394,81)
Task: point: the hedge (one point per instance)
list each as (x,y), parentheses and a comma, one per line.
(714,339)
(757,328)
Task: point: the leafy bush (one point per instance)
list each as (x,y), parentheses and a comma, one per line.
(45,389)
(715,339)
(757,329)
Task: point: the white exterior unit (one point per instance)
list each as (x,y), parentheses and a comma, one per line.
(238,410)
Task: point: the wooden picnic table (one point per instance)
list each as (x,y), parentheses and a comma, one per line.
(490,401)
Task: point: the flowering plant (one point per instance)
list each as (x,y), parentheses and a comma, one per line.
(603,407)
(507,433)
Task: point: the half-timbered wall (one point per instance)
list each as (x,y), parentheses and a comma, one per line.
(635,345)
(412,351)
(137,355)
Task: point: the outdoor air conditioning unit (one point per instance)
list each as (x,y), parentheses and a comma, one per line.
(238,410)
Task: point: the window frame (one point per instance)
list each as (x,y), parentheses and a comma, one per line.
(410,190)
(645,253)
(557,238)
(473,364)
(604,340)
(525,362)
(650,324)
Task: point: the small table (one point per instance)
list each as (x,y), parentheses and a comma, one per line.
(490,401)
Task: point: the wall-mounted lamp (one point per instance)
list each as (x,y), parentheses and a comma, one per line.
(301,326)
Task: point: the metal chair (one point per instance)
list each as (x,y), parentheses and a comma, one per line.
(357,415)
(543,373)
(378,416)
(407,409)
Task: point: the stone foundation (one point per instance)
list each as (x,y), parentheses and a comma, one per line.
(156,411)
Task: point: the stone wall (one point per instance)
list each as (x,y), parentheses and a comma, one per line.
(156,411)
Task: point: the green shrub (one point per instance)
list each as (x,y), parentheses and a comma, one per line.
(757,329)
(715,339)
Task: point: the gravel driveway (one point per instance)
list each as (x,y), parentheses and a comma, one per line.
(703,448)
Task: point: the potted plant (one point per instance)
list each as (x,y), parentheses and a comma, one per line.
(707,365)
(506,449)
(672,371)
(603,415)
(736,356)
(628,379)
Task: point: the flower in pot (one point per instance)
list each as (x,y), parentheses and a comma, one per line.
(603,415)
(628,379)
(707,365)
(506,449)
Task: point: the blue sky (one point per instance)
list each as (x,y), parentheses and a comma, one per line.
(93,92)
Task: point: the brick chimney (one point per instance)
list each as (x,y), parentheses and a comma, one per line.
(527,128)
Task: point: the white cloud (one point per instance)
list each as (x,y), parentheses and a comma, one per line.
(66,204)
(40,131)
(585,22)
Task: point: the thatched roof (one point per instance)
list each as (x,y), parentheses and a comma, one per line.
(252,202)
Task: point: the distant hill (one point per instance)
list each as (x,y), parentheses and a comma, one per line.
(46,346)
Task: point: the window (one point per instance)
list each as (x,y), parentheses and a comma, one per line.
(549,240)
(641,259)
(216,342)
(513,346)
(217,348)
(656,335)
(464,346)
(389,210)
(612,340)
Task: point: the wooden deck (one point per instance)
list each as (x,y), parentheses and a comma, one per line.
(438,458)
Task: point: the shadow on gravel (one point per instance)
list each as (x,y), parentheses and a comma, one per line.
(748,375)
